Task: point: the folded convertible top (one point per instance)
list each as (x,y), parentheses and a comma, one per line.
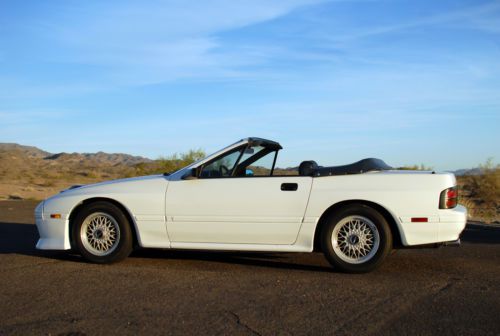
(359,167)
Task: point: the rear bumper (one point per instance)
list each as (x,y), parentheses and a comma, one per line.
(443,226)
(452,223)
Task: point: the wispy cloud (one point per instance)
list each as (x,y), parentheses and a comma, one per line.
(145,43)
(483,16)
(125,43)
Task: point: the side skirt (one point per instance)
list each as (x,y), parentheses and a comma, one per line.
(240,247)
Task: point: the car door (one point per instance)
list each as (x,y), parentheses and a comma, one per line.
(217,208)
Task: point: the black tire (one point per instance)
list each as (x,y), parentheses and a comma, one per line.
(342,223)
(107,221)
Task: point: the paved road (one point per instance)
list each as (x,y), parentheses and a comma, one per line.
(435,291)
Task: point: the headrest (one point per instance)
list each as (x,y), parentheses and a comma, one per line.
(307,168)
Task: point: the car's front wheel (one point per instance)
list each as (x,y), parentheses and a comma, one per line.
(356,239)
(102,234)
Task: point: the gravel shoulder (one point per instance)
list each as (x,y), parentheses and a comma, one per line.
(416,292)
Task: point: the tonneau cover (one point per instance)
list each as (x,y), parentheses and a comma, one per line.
(359,167)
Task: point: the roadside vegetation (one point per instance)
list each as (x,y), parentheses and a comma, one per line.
(480,192)
(416,167)
(168,164)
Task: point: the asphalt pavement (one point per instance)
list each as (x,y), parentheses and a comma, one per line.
(451,291)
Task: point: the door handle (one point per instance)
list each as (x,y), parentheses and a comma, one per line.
(289,186)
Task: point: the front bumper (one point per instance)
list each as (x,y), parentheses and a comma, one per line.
(54,233)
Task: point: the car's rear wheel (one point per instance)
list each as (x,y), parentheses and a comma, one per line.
(356,239)
(102,234)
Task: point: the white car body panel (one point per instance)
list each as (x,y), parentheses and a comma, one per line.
(404,194)
(247,210)
(253,213)
(143,198)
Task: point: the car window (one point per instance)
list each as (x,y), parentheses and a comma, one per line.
(261,167)
(251,151)
(221,167)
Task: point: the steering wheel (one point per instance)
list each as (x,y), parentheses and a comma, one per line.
(223,170)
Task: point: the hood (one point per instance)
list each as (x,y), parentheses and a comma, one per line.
(113,184)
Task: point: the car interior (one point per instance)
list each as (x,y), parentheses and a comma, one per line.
(258,158)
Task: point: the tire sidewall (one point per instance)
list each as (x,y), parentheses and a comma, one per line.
(384,231)
(125,243)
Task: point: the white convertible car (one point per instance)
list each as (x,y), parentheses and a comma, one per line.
(235,200)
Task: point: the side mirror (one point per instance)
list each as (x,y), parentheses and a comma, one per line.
(191,174)
(248,172)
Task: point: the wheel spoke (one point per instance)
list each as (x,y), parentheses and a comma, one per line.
(100,233)
(355,239)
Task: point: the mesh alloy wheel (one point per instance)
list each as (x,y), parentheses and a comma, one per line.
(355,239)
(100,234)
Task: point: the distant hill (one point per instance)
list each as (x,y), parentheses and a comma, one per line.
(99,157)
(28,151)
(30,172)
(462,172)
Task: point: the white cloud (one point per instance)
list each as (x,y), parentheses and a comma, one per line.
(484,17)
(143,43)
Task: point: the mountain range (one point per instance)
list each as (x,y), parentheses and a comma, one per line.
(30,172)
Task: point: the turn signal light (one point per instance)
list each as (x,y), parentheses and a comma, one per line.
(448,198)
(56,216)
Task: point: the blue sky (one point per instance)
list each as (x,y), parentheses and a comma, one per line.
(407,81)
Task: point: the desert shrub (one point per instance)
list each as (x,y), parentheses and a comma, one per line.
(415,167)
(480,192)
(177,161)
(93,173)
(486,184)
(169,163)
(48,183)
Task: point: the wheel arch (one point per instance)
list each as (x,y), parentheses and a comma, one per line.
(88,201)
(395,231)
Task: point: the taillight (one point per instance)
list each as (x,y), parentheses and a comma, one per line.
(448,198)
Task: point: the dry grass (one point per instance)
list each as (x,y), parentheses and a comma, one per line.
(416,167)
(480,193)
(167,164)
